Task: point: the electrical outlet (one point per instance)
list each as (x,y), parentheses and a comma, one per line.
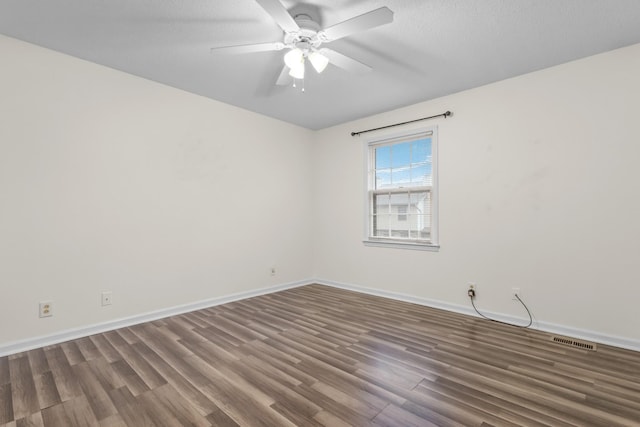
(107,298)
(514,292)
(46,308)
(273,271)
(472,290)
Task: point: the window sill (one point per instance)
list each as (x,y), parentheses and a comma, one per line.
(402,245)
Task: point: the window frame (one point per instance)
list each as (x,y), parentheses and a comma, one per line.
(369,146)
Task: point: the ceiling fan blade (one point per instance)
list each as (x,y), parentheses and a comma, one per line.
(279,14)
(284,78)
(362,22)
(248,48)
(344,62)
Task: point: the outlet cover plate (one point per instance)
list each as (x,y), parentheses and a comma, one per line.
(107,298)
(45,308)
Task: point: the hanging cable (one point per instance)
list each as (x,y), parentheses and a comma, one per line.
(472,296)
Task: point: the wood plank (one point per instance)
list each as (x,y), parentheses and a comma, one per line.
(285,396)
(38,361)
(220,419)
(327,419)
(88,349)
(293,414)
(165,400)
(33,420)
(357,403)
(56,416)
(121,397)
(96,396)
(242,401)
(196,398)
(107,351)
(5,376)
(106,374)
(23,388)
(337,409)
(65,379)
(72,352)
(6,404)
(113,421)
(47,391)
(142,368)
(132,380)
(136,415)
(393,416)
(79,412)
(166,354)
(157,411)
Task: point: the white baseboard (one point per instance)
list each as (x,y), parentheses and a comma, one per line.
(552,328)
(70,334)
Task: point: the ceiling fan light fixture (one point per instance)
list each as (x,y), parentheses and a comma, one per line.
(319,61)
(294,58)
(297,72)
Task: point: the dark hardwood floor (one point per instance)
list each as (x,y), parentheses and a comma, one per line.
(315,356)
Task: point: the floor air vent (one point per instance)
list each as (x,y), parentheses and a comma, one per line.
(574,343)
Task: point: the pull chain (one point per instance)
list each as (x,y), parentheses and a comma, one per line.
(294,84)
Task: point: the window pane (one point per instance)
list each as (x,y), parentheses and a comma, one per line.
(400,177)
(420,201)
(383,157)
(385,206)
(380,231)
(420,224)
(421,150)
(424,226)
(401,155)
(398,199)
(383,178)
(403,234)
(381,203)
(421,175)
(398,208)
(402,213)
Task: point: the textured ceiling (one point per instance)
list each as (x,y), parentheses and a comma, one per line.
(432,48)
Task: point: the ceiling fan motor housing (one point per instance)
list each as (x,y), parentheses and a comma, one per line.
(307,37)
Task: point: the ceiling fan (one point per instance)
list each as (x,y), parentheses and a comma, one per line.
(303,37)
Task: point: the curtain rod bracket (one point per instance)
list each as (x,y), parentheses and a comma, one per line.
(445,115)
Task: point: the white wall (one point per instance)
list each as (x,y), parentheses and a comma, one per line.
(539,189)
(112,182)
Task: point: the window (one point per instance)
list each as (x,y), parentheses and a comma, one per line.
(401,190)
